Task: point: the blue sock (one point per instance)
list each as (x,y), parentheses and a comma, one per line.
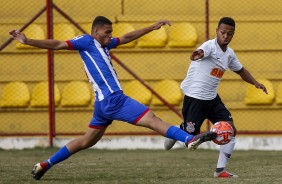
(178,134)
(61,155)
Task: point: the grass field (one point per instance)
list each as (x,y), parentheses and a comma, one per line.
(141,166)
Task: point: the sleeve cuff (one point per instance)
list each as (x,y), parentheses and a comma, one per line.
(70,45)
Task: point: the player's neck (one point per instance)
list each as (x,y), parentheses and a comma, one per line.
(223,47)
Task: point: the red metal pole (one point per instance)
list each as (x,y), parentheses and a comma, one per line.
(207,13)
(49,17)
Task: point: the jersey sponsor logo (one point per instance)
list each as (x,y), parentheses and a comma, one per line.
(190,127)
(216,72)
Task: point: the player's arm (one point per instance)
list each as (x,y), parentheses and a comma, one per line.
(140,32)
(44,44)
(246,76)
(197,54)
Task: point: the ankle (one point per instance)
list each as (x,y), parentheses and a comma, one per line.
(218,170)
(44,166)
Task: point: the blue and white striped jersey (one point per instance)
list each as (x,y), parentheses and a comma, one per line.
(97,64)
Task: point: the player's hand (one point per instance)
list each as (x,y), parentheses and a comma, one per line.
(16,34)
(261,86)
(161,23)
(197,54)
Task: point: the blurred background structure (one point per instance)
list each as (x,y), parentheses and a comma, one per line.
(44,93)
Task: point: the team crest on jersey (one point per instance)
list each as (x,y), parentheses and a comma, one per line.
(190,127)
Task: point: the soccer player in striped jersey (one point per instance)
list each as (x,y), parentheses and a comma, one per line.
(201,101)
(110,104)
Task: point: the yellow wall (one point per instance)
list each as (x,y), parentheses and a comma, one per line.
(257,43)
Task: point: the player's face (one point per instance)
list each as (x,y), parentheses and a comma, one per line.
(224,34)
(103,34)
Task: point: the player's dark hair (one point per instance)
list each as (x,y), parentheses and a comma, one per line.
(227,20)
(100,21)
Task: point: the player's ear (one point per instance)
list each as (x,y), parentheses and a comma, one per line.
(94,30)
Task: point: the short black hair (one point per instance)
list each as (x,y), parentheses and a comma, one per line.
(100,21)
(227,20)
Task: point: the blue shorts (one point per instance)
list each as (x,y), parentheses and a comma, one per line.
(119,107)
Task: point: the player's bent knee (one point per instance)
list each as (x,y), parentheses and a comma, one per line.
(233,126)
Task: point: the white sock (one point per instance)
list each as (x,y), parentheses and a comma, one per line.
(225,154)
(183,144)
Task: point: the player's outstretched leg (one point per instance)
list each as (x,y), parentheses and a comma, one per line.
(90,138)
(199,139)
(151,121)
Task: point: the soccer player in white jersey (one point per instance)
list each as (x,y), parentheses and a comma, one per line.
(201,101)
(111,104)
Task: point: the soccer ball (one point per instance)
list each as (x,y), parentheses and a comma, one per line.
(224,132)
